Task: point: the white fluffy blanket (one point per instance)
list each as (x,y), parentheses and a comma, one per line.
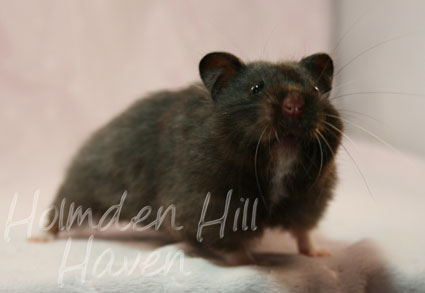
(377,243)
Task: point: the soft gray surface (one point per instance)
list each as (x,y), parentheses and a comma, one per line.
(376,242)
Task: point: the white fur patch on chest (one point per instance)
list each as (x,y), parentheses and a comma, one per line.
(282,165)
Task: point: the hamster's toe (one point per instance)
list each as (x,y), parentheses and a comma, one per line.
(316,253)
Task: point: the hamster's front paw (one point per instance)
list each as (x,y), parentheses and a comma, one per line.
(306,246)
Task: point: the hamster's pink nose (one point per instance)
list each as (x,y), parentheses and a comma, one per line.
(293,105)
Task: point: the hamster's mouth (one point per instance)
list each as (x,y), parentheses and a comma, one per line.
(295,134)
(292,138)
(287,141)
(292,134)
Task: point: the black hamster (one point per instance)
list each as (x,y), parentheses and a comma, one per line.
(263,133)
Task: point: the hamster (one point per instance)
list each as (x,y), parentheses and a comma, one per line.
(254,142)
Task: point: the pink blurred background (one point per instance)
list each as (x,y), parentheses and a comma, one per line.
(66,67)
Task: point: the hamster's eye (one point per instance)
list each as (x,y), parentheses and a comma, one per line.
(258,87)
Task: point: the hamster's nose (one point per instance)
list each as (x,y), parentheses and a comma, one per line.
(293,105)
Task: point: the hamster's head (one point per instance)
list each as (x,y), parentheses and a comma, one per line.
(285,104)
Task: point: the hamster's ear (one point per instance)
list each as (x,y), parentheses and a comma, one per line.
(321,69)
(217,69)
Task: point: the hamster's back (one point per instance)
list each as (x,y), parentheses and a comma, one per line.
(132,152)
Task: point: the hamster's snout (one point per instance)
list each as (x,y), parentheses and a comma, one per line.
(293,105)
(297,116)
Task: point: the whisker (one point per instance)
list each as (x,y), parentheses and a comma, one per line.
(277,136)
(270,138)
(330,149)
(268,95)
(321,159)
(360,113)
(255,167)
(269,168)
(370,49)
(268,39)
(339,131)
(377,93)
(348,31)
(352,158)
(340,86)
(239,107)
(305,169)
(366,131)
(321,73)
(359,170)
(311,163)
(326,141)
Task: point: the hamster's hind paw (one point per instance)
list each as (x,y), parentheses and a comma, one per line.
(42,237)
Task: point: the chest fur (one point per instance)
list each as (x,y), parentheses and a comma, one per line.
(282,165)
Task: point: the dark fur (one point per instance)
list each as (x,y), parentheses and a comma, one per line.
(174,147)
